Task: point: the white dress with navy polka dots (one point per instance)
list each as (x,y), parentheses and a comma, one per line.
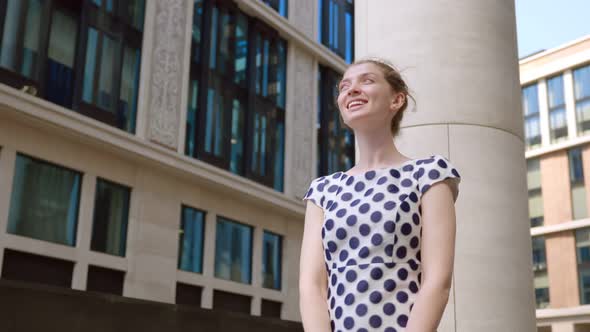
(371,235)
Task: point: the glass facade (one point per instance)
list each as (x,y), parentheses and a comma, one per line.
(557,113)
(582,98)
(578,189)
(271,260)
(540,272)
(535,192)
(532,124)
(336,27)
(281,6)
(111,215)
(336,142)
(236,110)
(233,251)
(583,260)
(95,73)
(190,249)
(44,202)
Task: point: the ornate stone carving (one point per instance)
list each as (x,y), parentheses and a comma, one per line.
(303,121)
(166,78)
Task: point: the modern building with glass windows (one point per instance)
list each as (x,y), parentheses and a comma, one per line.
(556,109)
(159,149)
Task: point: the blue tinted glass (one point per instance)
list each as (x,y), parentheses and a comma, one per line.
(282,74)
(129,89)
(191,118)
(271,260)
(576,165)
(255,150)
(44,202)
(263,133)
(233,251)
(209,120)
(106,73)
(530,100)
(190,255)
(582,82)
(213,49)
(349,38)
(241,57)
(90,65)
(111,214)
(265,67)
(60,59)
(237,138)
(555,94)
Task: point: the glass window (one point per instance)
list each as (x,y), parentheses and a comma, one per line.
(556,104)
(583,259)
(540,272)
(42,54)
(45,200)
(271,260)
(335,140)
(234,120)
(111,215)
(190,249)
(530,106)
(576,170)
(233,251)
(535,192)
(279,5)
(582,96)
(336,28)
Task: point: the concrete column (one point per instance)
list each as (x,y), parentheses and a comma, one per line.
(544,112)
(460,60)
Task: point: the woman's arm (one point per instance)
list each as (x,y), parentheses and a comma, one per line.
(313,278)
(438,251)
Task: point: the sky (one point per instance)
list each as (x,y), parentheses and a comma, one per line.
(545,24)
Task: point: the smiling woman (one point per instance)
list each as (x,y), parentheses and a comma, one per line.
(374,231)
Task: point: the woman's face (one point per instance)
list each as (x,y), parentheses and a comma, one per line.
(364,93)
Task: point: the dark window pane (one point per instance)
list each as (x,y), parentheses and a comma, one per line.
(576,165)
(20,49)
(60,58)
(279,5)
(582,95)
(233,251)
(530,100)
(336,30)
(44,202)
(111,213)
(191,118)
(90,67)
(190,255)
(225,301)
(20,266)
(129,88)
(237,134)
(241,50)
(541,280)
(583,259)
(133,12)
(188,294)
(105,280)
(279,155)
(197,31)
(270,309)
(106,72)
(219,107)
(271,260)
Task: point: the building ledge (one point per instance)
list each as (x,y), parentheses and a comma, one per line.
(577,314)
(561,227)
(34,111)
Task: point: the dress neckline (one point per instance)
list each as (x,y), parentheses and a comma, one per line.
(382,168)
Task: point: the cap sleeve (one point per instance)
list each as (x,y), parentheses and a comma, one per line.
(438,168)
(316,192)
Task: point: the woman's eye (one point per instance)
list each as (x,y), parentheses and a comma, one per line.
(368,80)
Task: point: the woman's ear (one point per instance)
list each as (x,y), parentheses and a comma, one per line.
(398,101)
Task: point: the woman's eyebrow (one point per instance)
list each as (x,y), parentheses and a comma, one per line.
(360,75)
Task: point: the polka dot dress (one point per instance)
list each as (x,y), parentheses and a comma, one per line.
(371,236)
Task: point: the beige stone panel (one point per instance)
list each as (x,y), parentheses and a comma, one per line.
(562,269)
(303,15)
(529,67)
(300,117)
(563,327)
(66,151)
(557,206)
(151,277)
(291,257)
(460,59)
(493,267)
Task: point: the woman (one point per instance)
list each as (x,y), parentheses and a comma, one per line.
(378,245)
